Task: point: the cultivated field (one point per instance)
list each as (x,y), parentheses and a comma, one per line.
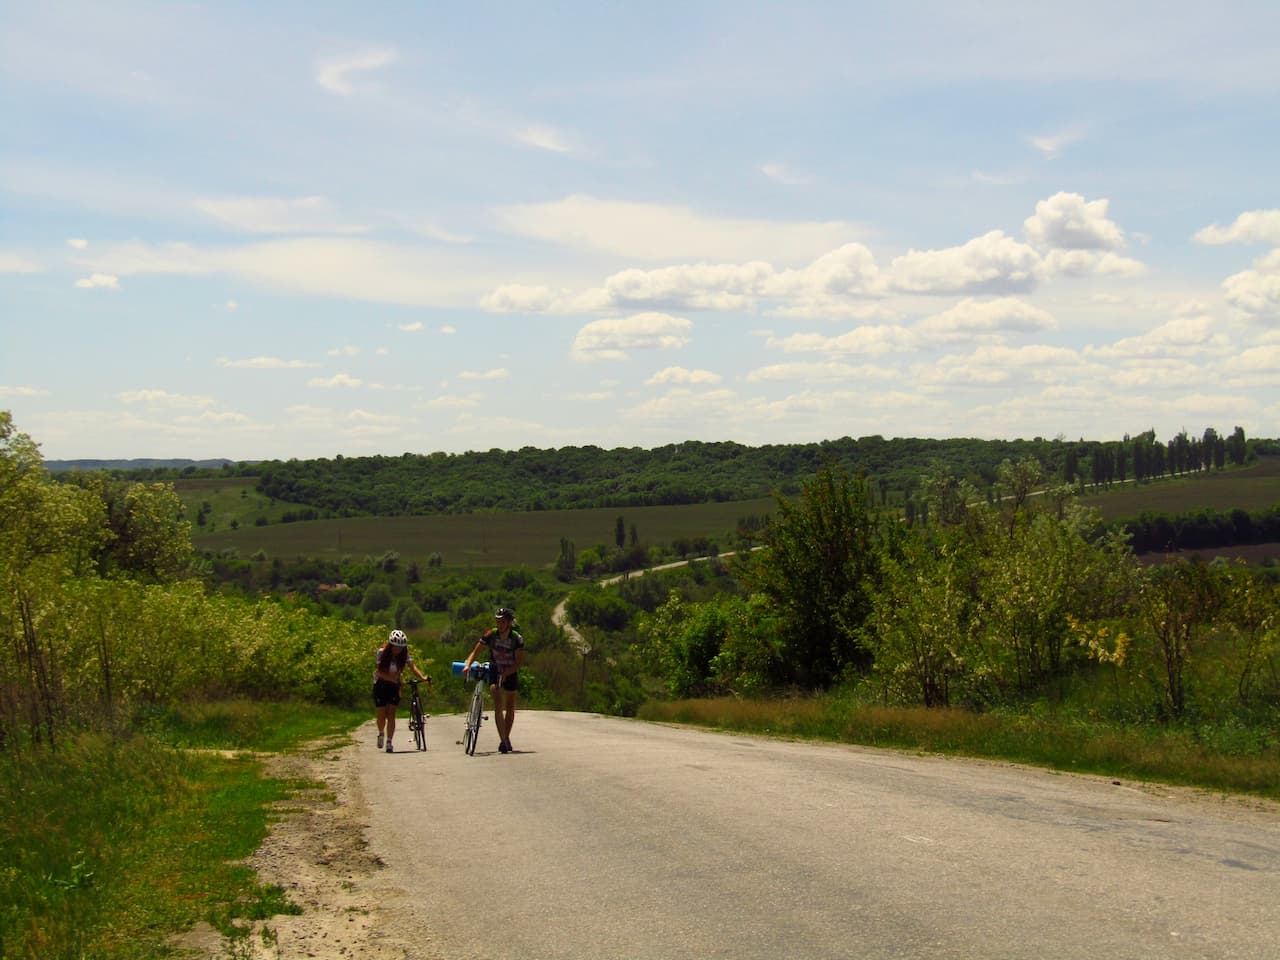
(533,538)
(1249,488)
(485,539)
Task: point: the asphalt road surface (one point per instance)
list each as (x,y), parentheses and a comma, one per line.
(608,838)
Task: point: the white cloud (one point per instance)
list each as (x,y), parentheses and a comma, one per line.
(264,363)
(1083,263)
(454,401)
(970,319)
(336,74)
(680,375)
(77,243)
(991,263)
(820,372)
(546,138)
(347,350)
(1256,292)
(22,392)
(104,281)
(162,398)
(1182,336)
(497,373)
(1066,221)
(416,327)
(647,231)
(16,263)
(326,266)
(612,339)
(780,173)
(1052,144)
(276,214)
(872,341)
(231,306)
(991,365)
(337,380)
(1256,226)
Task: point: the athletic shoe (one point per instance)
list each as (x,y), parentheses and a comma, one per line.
(379,741)
(389,750)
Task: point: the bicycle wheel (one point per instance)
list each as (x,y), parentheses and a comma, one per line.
(419,724)
(473,720)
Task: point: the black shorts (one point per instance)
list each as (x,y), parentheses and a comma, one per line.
(386,693)
(512,682)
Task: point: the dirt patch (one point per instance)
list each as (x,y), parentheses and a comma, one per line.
(318,852)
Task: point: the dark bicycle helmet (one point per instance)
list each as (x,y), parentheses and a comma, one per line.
(398,639)
(504,612)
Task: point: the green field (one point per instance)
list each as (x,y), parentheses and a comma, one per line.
(1250,488)
(533,538)
(485,539)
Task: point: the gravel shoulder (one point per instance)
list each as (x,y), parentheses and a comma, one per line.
(317,850)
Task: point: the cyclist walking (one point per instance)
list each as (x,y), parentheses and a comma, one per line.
(391,661)
(506,652)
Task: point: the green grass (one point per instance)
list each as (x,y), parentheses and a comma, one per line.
(529,539)
(119,843)
(1245,764)
(230,499)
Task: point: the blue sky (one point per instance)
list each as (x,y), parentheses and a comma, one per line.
(280,230)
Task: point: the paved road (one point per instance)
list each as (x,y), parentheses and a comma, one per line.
(608,838)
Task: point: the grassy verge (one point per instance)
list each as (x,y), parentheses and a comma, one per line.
(1232,761)
(113,845)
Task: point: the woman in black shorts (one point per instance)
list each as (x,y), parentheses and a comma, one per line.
(388,677)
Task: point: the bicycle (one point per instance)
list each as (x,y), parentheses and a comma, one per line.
(480,672)
(417,718)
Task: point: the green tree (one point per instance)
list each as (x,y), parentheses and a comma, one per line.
(377,597)
(819,569)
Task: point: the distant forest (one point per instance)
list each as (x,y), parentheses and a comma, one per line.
(695,471)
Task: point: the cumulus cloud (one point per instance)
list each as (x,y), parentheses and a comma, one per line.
(337,380)
(998,364)
(497,373)
(972,319)
(613,339)
(830,371)
(873,341)
(264,363)
(1066,221)
(78,243)
(1255,226)
(22,391)
(99,281)
(339,74)
(1181,336)
(679,375)
(1256,292)
(991,263)
(163,398)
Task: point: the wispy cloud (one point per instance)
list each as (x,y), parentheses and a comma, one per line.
(265,363)
(103,281)
(781,173)
(340,75)
(16,263)
(1051,145)
(338,380)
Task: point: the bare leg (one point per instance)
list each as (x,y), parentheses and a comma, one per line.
(391,720)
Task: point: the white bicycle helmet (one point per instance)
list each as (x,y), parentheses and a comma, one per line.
(398,639)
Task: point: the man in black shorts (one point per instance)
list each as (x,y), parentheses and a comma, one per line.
(506,652)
